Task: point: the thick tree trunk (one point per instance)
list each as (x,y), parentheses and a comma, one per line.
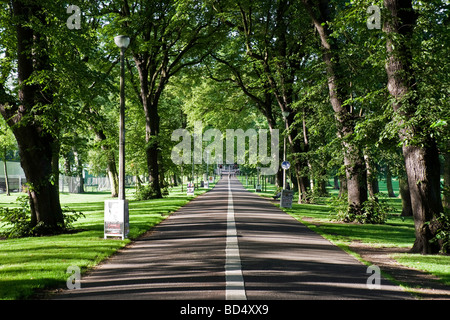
(422,167)
(355,170)
(35,150)
(353,158)
(421,158)
(152,150)
(36,147)
(149,102)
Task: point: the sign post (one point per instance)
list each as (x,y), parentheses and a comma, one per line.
(116,222)
(190,189)
(286,195)
(286,198)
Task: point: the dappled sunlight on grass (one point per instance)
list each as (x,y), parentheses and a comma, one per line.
(436,265)
(28,264)
(318,217)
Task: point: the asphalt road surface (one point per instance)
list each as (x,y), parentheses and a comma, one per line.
(231,244)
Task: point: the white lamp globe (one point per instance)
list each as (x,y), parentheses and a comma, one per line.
(122,41)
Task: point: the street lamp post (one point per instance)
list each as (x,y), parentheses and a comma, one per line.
(122,42)
(285,115)
(116,214)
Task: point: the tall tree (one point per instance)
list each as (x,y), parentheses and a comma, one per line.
(273,39)
(320,13)
(25,115)
(419,147)
(38,99)
(165,37)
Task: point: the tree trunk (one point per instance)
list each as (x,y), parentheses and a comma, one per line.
(356,178)
(336,183)
(152,150)
(422,167)
(299,147)
(149,102)
(446,198)
(35,150)
(79,171)
(406,197)
(6,173)
(343,189)
(389,186)
(372,179)
(421,158)
(353,159)
(36,147)
(110,163)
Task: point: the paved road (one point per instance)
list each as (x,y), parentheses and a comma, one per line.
(231,244)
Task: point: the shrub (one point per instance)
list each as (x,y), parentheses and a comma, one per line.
(374,211)
(147,192)
(16,222)
(443,233)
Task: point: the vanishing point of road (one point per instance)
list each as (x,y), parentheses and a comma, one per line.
(231,244)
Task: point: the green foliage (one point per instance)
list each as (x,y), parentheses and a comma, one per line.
(443,233)
(339,208)
(17,221)
(374,210)
(147,192)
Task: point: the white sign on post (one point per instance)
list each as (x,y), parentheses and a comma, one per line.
(116,218)
(286,198)
(190,189)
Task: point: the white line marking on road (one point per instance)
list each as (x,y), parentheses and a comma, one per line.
(235,289)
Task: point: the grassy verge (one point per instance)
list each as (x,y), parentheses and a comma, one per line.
(396,232)
(29,264)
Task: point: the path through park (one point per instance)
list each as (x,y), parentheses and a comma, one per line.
(232,244)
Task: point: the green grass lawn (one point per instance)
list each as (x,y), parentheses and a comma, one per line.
(29,264)
(396,232)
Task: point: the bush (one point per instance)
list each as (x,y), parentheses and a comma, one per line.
(147,192)
(340,209)
(374,211)
(16,222)
(443,233)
